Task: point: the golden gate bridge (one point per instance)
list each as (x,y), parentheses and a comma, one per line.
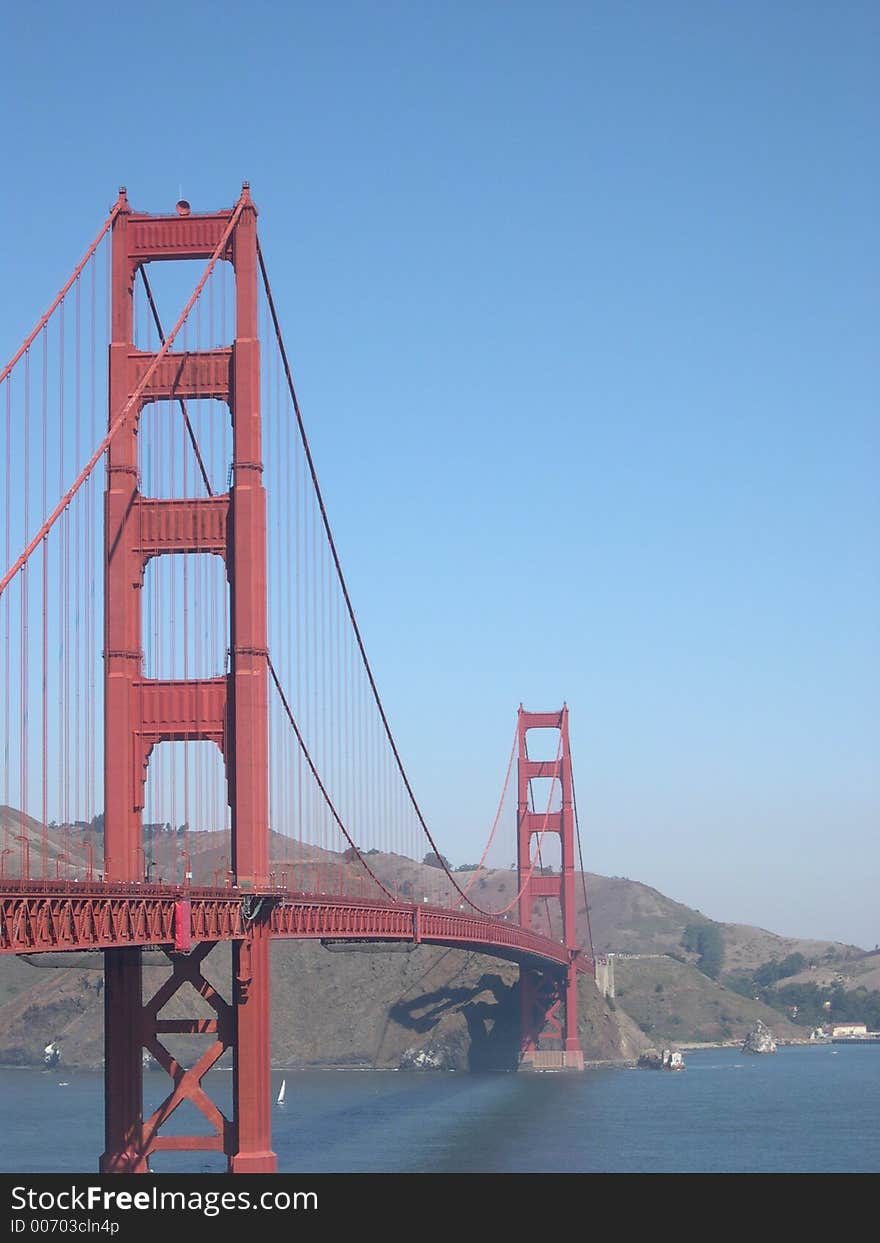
(193,747)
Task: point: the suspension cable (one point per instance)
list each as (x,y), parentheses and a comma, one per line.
(59,298)
(335,814)
(127,408)
(534,861)
(324,794)
(469,886)
(180,401)
(345,592)
(581,860)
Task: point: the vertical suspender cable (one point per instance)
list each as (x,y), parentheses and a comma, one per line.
(581,859)
(23,738)
(44,655)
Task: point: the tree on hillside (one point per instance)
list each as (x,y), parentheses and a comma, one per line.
(769,972)
(705,940)
(433,860)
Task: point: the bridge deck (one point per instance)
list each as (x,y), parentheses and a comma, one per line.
(42,917)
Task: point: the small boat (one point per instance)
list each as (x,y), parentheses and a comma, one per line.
(281,1093)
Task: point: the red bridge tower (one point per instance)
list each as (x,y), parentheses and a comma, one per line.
(231,711)
(543,994)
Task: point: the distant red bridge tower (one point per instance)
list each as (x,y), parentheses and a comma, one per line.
(544,994)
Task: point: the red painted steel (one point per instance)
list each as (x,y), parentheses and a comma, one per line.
(207,374)
(123,1064)
(40,918)
(153,238)
(186,970)
(183,925)
(192,525)
(325,918)
(124,1108)
(232,711)
(541,996)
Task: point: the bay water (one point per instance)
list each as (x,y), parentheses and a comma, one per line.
(803,1109)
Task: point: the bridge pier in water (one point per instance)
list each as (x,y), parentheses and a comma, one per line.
(542,994)
(231,711)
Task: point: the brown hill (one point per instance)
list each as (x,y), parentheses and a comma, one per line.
(673,1002)
(746,948)
(328,1009)
(368,1009)
(862,971)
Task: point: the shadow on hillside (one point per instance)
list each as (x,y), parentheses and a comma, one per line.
(493,1026)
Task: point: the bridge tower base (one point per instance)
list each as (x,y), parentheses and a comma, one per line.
(542,994)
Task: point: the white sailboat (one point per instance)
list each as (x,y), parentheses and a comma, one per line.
(281,1093)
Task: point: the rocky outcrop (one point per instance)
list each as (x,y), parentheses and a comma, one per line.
(435,1055)
(759,1040)
(661,1059)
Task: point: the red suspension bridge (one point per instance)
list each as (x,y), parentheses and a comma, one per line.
(194,749)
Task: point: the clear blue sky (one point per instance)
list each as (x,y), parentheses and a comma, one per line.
(583,305)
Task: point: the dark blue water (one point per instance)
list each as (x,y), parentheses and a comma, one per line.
(802,1109)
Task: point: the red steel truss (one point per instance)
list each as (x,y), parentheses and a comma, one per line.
(42,918)
(78,917)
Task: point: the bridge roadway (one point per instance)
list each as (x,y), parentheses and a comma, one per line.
(42,917)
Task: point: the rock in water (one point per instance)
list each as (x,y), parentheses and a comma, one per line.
(665,1059)
(435,1055)
(759,1040)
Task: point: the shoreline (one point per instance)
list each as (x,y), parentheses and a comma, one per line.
(624,1063)
(694,1046)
